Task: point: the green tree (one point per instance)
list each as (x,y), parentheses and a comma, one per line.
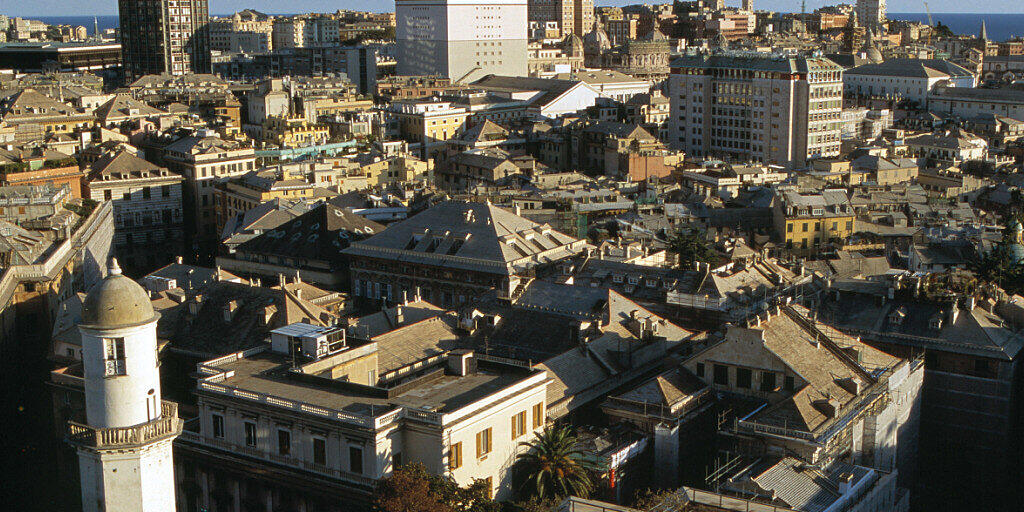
(998,265)
(553,466)
(691,245)
(411,488)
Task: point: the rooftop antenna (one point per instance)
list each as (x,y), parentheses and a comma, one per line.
(95,26)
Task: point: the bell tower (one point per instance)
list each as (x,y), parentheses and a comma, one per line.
(124,448)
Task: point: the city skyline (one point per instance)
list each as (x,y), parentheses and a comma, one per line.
(88,8)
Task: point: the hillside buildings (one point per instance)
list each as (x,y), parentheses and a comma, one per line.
(462,41)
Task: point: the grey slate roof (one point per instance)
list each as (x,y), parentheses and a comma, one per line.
(474,236)
(920,68)
(319,234)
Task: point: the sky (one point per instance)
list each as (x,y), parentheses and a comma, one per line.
(28,8)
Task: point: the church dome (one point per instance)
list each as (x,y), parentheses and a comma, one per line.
(116,302)
(597,39)
(874,55)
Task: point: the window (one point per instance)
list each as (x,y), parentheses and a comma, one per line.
(518,424)
(743,378)
(218,426)
(250,433)
(165,190)
(489,489)
(721,375)
(700,369)
(284,442)
(483,443)
(767,381)
(113,357)
(455,456)
(145,192)
(805,227)
(789,228)
(538,415)
(107,195)
(355,459)
(319,451)
(790,383)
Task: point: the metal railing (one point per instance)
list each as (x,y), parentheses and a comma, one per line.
(166,426)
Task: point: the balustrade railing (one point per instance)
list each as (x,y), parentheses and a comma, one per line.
(167,425)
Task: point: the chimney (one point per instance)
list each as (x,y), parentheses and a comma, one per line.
(298,293)
(179,259)
(405,298)
(971,302)
(829,408)
(850,384)
(845,483)
(399,315)
(461,362)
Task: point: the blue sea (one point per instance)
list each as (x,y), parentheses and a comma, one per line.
(1000,27)
(105,22)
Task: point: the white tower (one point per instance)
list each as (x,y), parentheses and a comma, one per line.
(124,450)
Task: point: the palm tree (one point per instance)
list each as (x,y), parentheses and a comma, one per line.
(554,467)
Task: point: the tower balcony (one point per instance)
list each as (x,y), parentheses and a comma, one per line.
(167,426)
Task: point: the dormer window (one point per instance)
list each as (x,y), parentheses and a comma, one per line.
(935,322)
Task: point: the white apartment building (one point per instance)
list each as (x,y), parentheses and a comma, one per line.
(322,405)
(463,40)
(756,107)
(969,103)
(910,79)
(147,202)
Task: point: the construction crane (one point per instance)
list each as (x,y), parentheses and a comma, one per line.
(931,23)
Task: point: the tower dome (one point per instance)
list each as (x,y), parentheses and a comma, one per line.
(1016,242)
(116,301)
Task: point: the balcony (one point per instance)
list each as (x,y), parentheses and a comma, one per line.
(165,427)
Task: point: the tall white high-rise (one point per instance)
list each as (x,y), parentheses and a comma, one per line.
(872,14)
(124,449)
(461,39)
